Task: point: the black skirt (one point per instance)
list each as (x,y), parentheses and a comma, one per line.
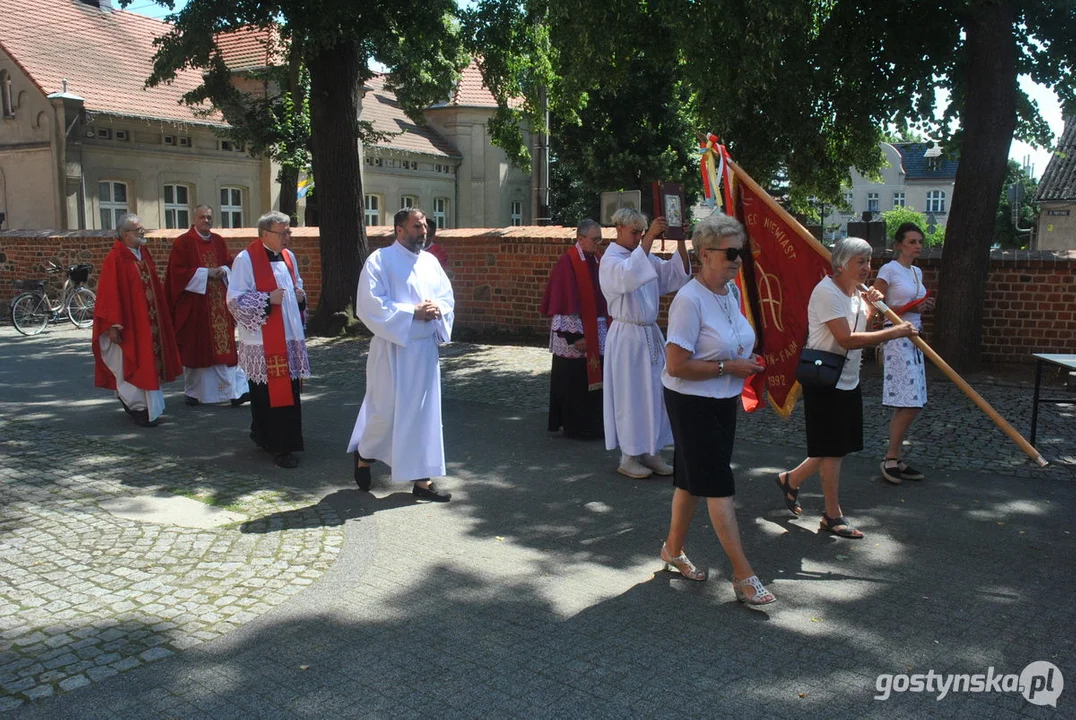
(703,429)
(275,429)
(834,421)
(571,405)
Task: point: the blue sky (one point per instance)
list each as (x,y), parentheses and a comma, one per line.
(1048,104)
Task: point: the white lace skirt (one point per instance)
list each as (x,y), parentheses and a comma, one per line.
(905,381)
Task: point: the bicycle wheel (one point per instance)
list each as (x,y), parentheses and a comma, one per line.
(80,305)
(30,313)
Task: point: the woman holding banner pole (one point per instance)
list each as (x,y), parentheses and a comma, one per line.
(837,318)
(904,387)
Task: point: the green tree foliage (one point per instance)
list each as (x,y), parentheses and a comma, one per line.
(898,216)
(805,85)
(1006,234)
(335,41)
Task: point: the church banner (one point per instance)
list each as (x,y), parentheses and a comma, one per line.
(785,270)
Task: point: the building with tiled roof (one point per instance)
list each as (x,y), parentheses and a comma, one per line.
(83,140)
(1056,195)
(916,175)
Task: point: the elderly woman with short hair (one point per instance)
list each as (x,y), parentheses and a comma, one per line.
(838,315)
(708,356)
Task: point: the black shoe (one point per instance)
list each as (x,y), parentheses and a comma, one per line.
(141,418)
(908,472)
(126,409)
(430,493)
(362,473)
(892,474)
(242,399)
(286,460)
(193,402)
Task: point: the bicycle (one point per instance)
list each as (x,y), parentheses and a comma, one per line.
(33,309)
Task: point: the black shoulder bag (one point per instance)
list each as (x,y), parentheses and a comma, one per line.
(821,370)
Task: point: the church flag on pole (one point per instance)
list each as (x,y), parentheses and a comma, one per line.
(776,280)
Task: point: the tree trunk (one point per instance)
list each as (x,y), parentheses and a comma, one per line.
(334,87)
(289,189)
(988,120)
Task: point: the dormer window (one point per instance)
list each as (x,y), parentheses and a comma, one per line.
(6,96)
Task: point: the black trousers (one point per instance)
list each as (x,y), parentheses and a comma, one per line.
(275,429)
(571,405)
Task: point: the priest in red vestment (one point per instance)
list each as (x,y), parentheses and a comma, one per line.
(197,281)
(134,347)
(577,337)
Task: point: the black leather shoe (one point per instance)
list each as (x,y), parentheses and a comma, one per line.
(362,474)
(430,493)
(141,418)
(191,401)
(242,399)
(286,460)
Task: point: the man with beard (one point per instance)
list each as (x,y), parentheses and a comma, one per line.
(405,299)
(134,348)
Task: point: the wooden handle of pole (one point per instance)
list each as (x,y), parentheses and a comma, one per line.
(963,385)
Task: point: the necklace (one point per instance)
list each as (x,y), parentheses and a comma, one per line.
(725,303)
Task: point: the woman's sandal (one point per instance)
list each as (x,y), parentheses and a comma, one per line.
(681,564)
(840,527)
(791,494)
(761,596)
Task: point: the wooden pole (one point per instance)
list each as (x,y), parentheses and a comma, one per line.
(893,317)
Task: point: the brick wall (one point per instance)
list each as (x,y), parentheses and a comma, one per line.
(499,276)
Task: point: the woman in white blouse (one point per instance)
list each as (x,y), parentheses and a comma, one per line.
(904,387)
(708,354)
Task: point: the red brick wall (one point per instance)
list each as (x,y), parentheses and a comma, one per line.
(499,276)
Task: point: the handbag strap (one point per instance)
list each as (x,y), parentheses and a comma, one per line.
(855,326)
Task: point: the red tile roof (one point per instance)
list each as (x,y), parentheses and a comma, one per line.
(105,56)
(251,48)
(471,91)
(380,107)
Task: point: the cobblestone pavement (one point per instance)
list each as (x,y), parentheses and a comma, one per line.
(532,594)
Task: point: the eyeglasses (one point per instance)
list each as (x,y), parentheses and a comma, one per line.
(141,232)
(731,253)
(285,233)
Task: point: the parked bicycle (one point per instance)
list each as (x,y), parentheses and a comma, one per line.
(33,309)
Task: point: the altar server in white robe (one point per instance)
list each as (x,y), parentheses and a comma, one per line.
(633,281)
(405,299)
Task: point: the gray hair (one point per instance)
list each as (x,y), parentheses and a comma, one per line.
(846,249)
(126,221)
(203,205)
(586,226)
(271,218)
(630,217)
(709,231)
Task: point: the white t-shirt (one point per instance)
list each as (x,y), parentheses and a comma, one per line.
(905,285)
(699,323)
(828,302)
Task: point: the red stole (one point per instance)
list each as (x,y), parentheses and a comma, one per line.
(273,338)
(588,311)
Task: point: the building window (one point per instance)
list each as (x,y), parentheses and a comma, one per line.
(408,201)
(898,199)
(372,216)
(231,207)
(936,201)
(177,209)
(440,212)
(849,200)
(112,199)
(517,213)
(872,202)
(6,95)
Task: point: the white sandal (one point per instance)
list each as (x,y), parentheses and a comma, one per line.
(681,564)
(761,596)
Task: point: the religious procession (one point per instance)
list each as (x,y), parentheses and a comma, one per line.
(233,328)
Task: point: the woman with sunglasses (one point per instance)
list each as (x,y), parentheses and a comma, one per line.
(708,355)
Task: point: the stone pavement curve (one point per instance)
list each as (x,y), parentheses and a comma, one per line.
(176,573)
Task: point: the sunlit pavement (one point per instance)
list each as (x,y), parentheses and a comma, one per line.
(536,592)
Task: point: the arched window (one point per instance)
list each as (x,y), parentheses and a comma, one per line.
(6,97)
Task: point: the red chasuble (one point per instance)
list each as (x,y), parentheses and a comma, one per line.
(274,340)
(129,294)
(573,290)
(205,330)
